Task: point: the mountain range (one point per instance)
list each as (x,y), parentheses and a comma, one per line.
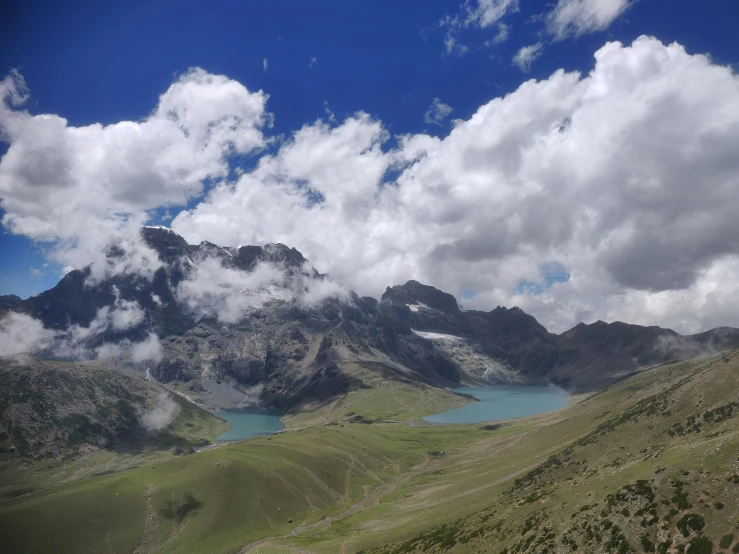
(259,325)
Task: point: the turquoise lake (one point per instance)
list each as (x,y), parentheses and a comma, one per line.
(249,422)
(503,402)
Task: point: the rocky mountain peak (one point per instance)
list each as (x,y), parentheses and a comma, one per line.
(169,245)
(413,293)
(515,318)
(254,327)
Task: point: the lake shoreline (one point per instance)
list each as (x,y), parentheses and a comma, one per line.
(502,402)
(247,423)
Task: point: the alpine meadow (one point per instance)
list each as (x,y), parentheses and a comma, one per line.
(444,276)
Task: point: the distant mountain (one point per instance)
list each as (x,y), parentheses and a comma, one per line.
(259,323)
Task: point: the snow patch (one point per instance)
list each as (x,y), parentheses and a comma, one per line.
(415,307)
(437,336)
(158,227)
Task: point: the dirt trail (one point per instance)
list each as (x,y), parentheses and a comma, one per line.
(147,542)
(373,497)
(369,501)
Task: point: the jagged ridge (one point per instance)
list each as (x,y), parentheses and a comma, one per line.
(292,352)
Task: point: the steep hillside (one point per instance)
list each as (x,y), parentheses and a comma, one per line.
(509,344)
(648,465)
(65,410)
(257,324)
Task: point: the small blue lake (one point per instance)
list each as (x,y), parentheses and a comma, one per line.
(503,402)
(250,422)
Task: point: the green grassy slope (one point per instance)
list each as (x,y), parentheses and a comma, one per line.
(650,464)
(66,421)
(52,410)
(219,499)
(379,393)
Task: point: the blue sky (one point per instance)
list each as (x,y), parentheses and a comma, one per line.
(108,61)
(105,62)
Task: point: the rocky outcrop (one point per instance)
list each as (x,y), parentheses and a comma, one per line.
(293,350)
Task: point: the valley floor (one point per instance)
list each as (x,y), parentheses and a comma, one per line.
(650,464)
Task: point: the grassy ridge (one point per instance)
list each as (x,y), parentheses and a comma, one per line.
(53,410)
(648,464)
(381,393)
(618,472)
(225,497)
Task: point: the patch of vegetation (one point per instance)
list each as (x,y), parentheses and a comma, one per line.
(179,508)
(647,543)
(694,423)
(680,497)
(690,523)
(699,545)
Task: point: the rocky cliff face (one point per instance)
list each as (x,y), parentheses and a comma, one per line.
(262,321)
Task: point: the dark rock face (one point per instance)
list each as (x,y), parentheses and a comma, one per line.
(170,246)
(10,302)
(293,353)
(414,292)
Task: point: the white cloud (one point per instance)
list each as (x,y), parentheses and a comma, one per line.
(125,314)
(313,61)
(568,18)
(228,294)
(437,112)
(526,55)
(148,350)
(213,290)
(82,186)
(484,13)
(579,17)
(162,414)
(21,334)
(597,172)
(477,14)
(452,44)
(502,35)
(265,65)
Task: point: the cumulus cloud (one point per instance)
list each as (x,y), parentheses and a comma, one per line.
(81,186)
(526,55)
(162,414)
(579,17)
(596,172)
(626,177)
(437,112)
